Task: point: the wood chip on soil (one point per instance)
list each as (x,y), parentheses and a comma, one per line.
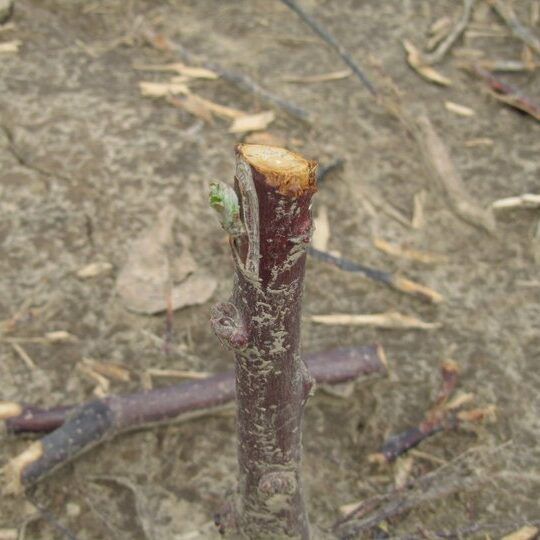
(252,122)
(94,269)
(323,77)
(416,255)
(178,373)
(414,59)
(391,319)
(321,232)
(10,46)
(60,336)
(110,370)
(162,89)
(458,109)
(180,68)
(527,200)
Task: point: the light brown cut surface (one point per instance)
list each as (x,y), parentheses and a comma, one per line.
(287,171)
(14,468)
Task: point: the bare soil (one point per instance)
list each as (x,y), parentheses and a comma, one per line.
(86,163)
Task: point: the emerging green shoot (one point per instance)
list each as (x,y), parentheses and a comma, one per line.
(224,201)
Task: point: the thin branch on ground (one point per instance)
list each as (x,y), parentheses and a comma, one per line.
(507,93)
(80,428)
(331,40)
(444,415)
(389,279)
(506,13)
(447,479)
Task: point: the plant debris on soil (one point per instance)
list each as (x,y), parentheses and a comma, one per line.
(116,116)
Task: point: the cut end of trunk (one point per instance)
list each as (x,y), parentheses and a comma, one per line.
(14,469)
(9,409)
(288,172)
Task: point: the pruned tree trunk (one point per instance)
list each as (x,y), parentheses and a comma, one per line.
(262,324)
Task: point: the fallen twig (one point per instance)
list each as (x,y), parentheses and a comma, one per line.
(508,93)
(444,415)
(437,158)
(391,280)
(239,80)
(88,425)
(456,475)
(506,13)
(331,40)
(401,502)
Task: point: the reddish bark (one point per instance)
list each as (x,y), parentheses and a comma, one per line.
(262,325)
(187,399)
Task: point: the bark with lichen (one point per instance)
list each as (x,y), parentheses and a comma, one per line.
(270,229)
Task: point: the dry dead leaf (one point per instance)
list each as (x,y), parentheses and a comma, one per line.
(252,122)
(10,46)
(414,58)
(527,200)
(458,109)
(196,289)
(391,319)
(321,232)
(528,532)
(154,271)
(160,89)
(322,77)
(94,269)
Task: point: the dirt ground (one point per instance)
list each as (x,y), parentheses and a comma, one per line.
(87,163)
